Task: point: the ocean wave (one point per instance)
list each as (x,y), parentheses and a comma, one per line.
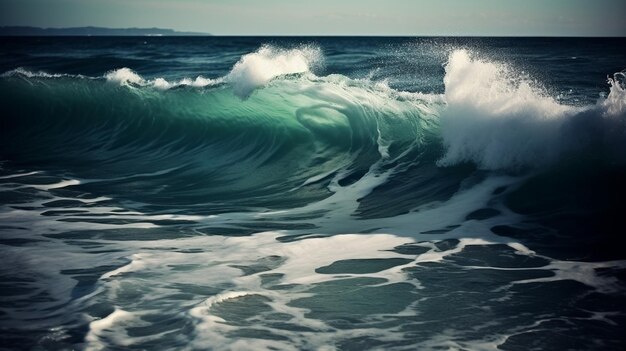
(288,134)
(489,115)
(252,71)
(499,119)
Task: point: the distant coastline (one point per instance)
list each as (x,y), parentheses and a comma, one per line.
(25,31)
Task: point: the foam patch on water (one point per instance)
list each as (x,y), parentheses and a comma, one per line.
(230,262)
(101,329)
(240,292)
(583,272)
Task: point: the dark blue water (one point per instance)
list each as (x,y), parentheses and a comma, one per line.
(312,193)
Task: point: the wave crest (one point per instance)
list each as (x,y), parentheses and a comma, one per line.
(615,104)
(127,77)
(499,120)
(124,76)
(258,68)
(252,71)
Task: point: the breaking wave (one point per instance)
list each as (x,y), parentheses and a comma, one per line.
(489,116)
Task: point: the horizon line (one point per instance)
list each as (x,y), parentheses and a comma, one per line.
(195,33)
(203,34)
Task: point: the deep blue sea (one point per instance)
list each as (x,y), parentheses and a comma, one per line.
(312,193)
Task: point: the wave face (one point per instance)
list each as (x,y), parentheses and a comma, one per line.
(396,193)
(290,132)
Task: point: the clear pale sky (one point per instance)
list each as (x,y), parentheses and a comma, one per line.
(331,17)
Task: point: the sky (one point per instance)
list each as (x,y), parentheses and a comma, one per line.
(331,17)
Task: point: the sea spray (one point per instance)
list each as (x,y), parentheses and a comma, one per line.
(498,119)
(258,68)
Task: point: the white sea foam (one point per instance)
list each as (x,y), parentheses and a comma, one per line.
(494,120)
(124,76)
(219,275)
(98,326)
(258,68)
(499,120)
(161,83)
(22,72)
(614,105)
(19,175)
(582,272)
(59,185)
(198,82)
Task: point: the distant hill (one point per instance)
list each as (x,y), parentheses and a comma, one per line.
(91,31)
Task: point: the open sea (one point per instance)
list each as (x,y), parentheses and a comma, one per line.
(312,193)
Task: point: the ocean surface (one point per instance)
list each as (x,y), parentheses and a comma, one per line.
(228,193)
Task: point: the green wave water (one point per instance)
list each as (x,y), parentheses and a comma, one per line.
(295,129)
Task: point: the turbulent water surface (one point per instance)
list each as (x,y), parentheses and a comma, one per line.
(312,193)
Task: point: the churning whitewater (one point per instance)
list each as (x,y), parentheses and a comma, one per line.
(336,194)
